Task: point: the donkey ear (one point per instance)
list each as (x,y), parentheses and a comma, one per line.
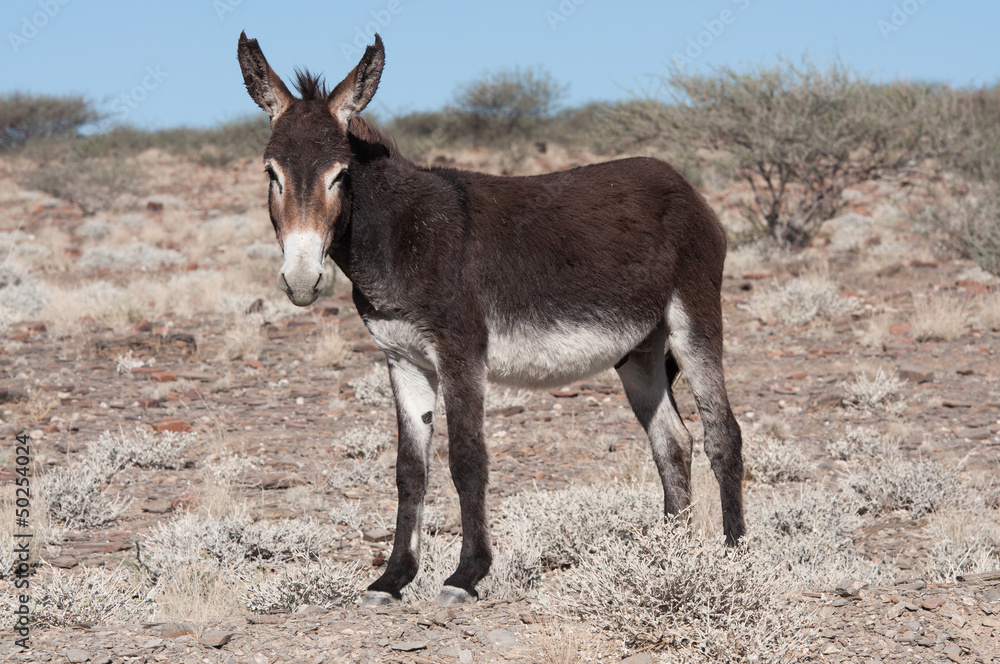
(264,86)
(353,93)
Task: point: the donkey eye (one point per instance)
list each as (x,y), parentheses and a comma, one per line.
(338,178)
(273,177)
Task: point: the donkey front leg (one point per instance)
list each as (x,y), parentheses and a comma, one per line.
(415,392)
(464,392)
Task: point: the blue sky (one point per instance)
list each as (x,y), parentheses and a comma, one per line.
(155,63)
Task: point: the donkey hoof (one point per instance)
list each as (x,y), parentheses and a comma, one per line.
(451,595)
(374,598)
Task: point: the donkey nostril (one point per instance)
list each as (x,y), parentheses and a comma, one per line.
(318,279)
(287,288)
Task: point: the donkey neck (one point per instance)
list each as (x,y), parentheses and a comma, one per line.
(392,213)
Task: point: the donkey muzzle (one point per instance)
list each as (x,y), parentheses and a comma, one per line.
(303,275)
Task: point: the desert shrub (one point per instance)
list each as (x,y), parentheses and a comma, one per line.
(862,442)
(77,495)
(25,118)
(965,542)
(668,588)
(95,594)
(90,184)
(968,224)
(132,255)
(245,338)
(769,460)
(800,300)
(877,391)
(894,483)
(798,135)
(291,586)
(505,103)
(808,537)
(363,443)
(372,389)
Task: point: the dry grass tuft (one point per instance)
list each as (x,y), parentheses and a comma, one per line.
(989,312)
(893,483)
(245,339)
(938,318)
(331,348)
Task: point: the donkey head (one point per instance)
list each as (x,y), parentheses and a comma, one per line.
(307,160)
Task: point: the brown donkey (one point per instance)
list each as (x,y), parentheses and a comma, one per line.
(464,277)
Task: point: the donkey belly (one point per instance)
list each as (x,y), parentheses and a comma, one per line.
(525,356)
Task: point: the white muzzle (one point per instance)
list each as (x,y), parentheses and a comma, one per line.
(302,276)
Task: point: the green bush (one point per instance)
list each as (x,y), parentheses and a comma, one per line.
(506,103)
(25,118)
(797,134)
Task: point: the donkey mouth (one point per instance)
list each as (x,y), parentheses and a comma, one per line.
(301,297)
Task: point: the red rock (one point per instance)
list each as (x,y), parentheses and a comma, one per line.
(193,395)
(154,206)
(772,354)
(973,287)
(758,275)
(171,425)
(932,603)
(148,403)
(538,475)
(255,364)
(564,394)
(185,501)
(64,562)
(38,327)
(163,377)
(144,326)
(797,376)
(51,428)
(19,336)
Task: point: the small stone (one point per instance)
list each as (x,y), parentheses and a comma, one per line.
(838,602)
(101,659)
(157,506)
(73,655)
(163,377)
(915,374)
(641,658)
(376,535)
(933,603)
(919,584)
(465,656)
(564,394)
(850,587)
(64,562)
(897,609)
(173,630)
(215,638)
(178,426)
(954,653)
(959,620)
(408,646)
(501,638)
(991,622)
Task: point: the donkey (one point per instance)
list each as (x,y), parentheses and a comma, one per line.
(463,277)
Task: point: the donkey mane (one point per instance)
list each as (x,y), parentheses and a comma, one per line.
(376,142)
(311,86)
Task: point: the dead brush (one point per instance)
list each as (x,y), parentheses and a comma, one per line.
(770,460)
(244,339)
(801,300)
(876,391)
(331,348)
(938,318)
(669,589)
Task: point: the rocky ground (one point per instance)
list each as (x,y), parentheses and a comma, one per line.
(278,405)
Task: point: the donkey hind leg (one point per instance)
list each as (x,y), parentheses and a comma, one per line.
(697,346)
(647,379)
(415,392)
(464,393)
